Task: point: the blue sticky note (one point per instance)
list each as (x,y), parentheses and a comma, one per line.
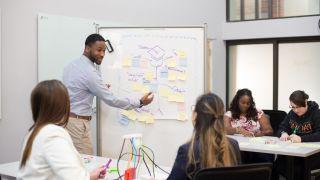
(135,62)
(153,87)
(124,120)
(164,73)
(183,62)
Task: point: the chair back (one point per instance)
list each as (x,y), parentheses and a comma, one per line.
(275,117)
(261,171)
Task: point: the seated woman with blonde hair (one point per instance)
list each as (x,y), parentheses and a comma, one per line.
(48,151)
(209,146)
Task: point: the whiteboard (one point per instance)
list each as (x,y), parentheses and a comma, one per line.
(169,61)
(60,40)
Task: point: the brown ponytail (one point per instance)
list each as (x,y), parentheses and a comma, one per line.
(50,104)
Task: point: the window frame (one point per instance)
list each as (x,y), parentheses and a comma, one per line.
(270,12)
(275,70)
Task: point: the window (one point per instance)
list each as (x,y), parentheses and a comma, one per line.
(250,66)
(241,10)
(298,70)
(273,68)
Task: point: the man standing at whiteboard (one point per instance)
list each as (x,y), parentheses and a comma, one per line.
(84,82)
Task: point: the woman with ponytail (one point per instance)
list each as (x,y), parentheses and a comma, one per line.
(209,146)
(48,151)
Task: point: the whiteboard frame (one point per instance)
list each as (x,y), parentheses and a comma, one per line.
(206,70)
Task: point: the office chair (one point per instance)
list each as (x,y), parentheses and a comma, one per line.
(261,171)
(275,117)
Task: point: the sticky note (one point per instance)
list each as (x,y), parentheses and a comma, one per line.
(181,54)
(125,113)
(179,97)
(124,120)
(148,75)
(176,97)
(153,88)
(149,119)
(132,115)
(136,87)
(164,73)
(136,63)
(171,63)
(142,118)
(172,76)
(145,89)
(164,92)
(183,62)
(126,62)
(182,76)
(181,106)
(182,116)
(144,63)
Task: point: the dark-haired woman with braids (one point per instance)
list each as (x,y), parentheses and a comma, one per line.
(244,118)
(48,151)
(209,146)
(302,124)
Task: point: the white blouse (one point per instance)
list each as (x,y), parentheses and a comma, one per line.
(248,124)
(53,156)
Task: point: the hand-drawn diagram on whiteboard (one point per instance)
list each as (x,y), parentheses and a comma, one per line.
(158,61)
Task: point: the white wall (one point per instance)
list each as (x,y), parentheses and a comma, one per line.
(19,46)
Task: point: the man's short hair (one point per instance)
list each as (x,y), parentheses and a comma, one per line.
(91,39)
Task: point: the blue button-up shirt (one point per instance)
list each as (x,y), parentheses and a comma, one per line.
(83,82)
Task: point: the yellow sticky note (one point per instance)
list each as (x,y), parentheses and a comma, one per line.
(125,113)
(142,118)
(145,89)
(179,97)
(126,62)
(182,76)
(132,115)
(181,54)
(171,63)
(148,76)
(182,116)
(164,92)
(176,97)
(136,87)
(171,97)
(149,119)
(172,76)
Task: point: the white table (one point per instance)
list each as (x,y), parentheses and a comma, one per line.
(9,170)
(273,145)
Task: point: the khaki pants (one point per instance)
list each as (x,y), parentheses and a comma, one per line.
(80,132)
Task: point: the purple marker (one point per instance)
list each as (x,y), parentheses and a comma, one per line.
(106,166)
(108,163)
